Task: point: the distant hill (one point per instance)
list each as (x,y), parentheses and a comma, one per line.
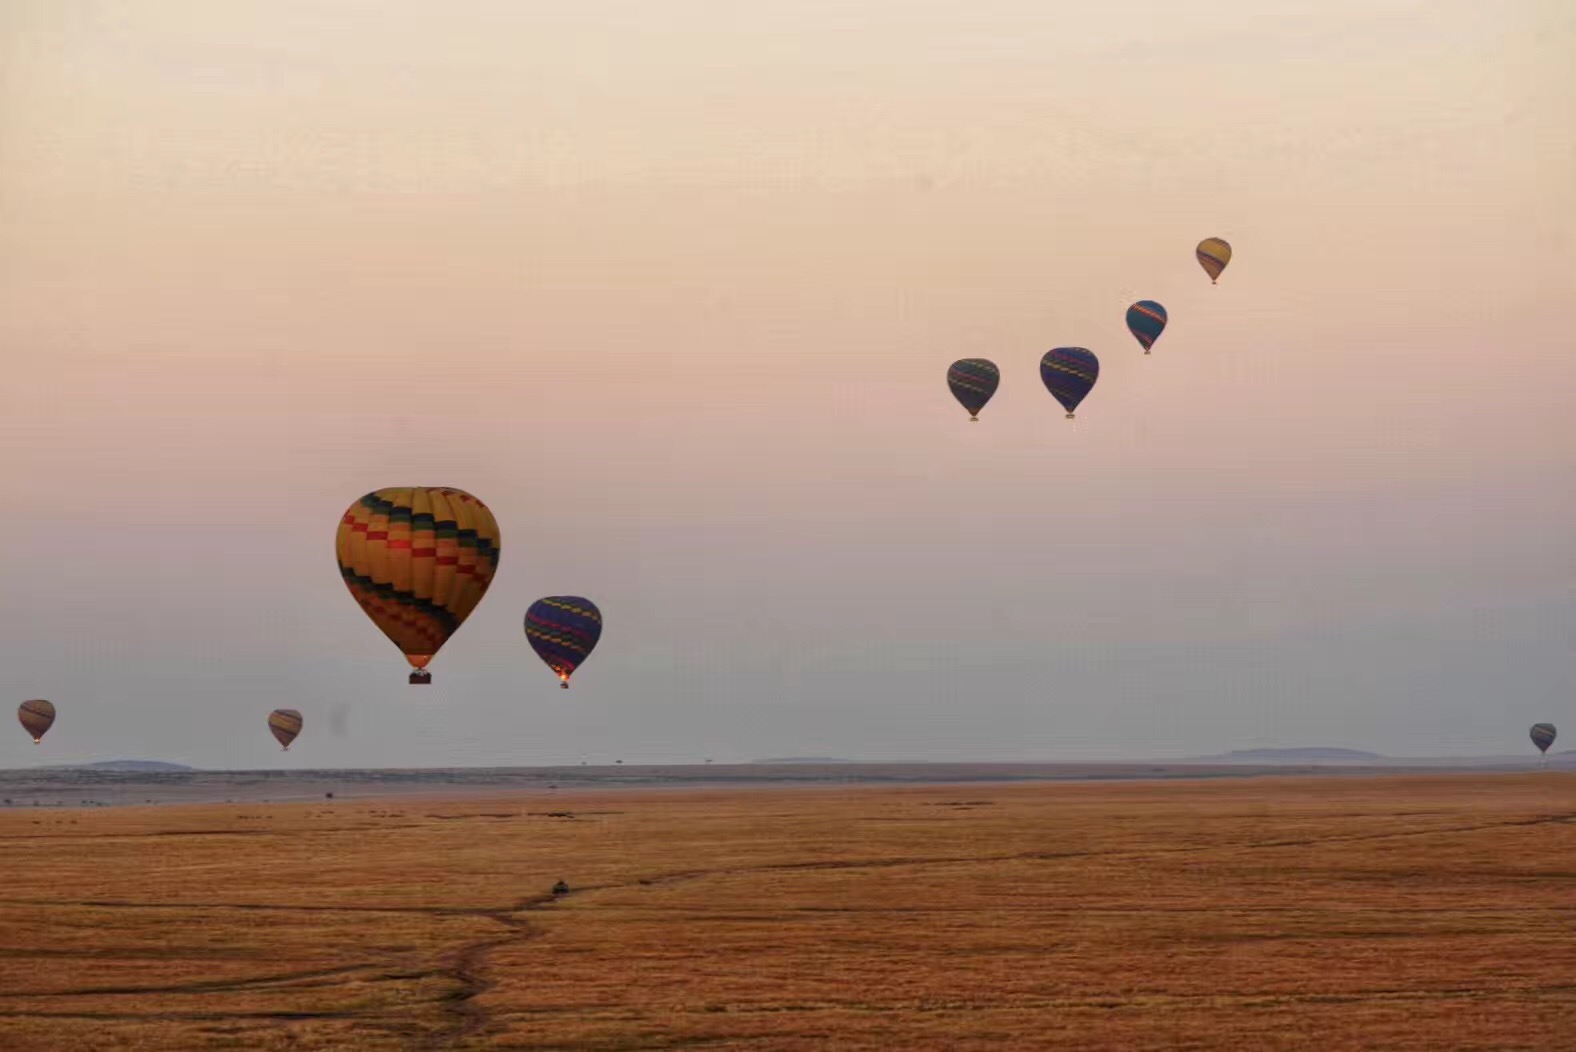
(1311,754)
(134,766)
(804,759)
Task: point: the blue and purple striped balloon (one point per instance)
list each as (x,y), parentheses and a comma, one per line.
(973,381)
(1069,374)
(563,630)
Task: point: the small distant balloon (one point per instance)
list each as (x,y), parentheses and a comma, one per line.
(1213,255)
(563,630)
(37,717)
(285,725)
(973,381)
(1069,374)
(1146,320)
(1543,736)
(418,559)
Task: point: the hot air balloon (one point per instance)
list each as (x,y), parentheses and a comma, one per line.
(1543,736)
(418,560)
(563,630)
(285,724)
(37,716)
(1213,255)
(1146,320)
(1069,374)
(973,381)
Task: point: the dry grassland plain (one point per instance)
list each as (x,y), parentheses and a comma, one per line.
(1407,912)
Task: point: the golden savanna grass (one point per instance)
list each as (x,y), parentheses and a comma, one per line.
(1429,912)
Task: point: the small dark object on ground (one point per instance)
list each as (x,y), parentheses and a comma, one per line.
(560,888)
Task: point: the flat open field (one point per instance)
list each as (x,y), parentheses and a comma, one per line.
(1404,912)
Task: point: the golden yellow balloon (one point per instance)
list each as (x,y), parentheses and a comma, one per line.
(284,725)
(37,716)
(1213,255)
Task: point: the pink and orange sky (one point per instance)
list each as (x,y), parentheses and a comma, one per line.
(673,288)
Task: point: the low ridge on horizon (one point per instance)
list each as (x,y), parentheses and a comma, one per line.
(117,765)
(1301,753)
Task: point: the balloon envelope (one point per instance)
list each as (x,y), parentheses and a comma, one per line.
(285,724)
(563,630)
(37,716)
(1543,736)
(973,381)
(1213,255)
(1146,320)
(1069,374)
(418,560)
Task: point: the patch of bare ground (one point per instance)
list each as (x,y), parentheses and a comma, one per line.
(1401,913)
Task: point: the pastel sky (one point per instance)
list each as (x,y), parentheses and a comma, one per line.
(673,287)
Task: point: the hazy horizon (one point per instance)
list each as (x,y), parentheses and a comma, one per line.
(674,290)
(1305,755)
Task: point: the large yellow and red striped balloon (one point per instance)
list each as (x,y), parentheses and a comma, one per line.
(37,716)
(418,559)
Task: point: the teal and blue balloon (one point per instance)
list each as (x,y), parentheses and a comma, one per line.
(1069,374)
(1146,320)
(973,381)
